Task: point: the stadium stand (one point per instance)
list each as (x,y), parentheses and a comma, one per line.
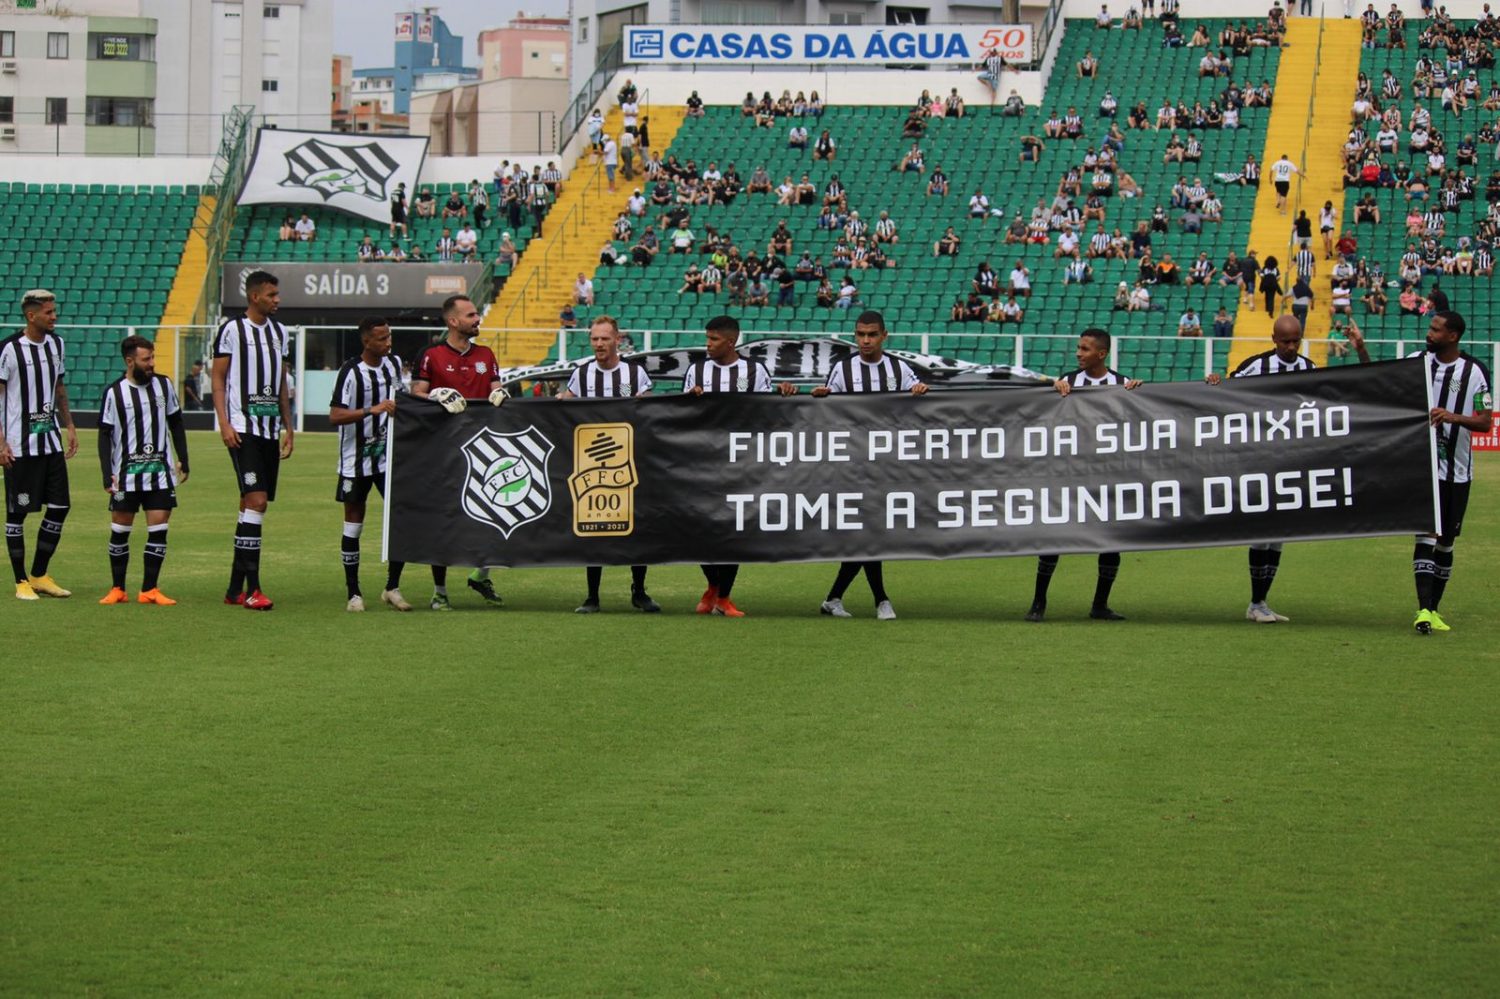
(108,251)
(978,150)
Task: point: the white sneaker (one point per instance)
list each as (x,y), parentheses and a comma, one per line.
(395,600)
(1260,614)
(356,604)
(834,608)
(1279,617)
(884,611)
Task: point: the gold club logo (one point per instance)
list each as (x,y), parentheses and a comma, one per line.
(603,480)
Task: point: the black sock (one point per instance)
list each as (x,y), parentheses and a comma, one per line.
(1273,562)
(727,575)
(638,579)
(247,548)
(1424,572)
(349,550)
(156,554)
(1442,555)
(237,564)
(1262,572)
(711,575)
(847,572)
(1109,568)
(47,538)
(15,545)
(593,574)
(875,576)
(119,553)
(440,578)
(393,575)
(1046,565)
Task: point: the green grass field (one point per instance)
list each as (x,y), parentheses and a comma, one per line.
(208,801)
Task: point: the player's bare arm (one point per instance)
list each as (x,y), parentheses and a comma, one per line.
(285,403)
(1061,386)
(1479,423)
(6,456)
(67,418)
(1357,340)
(220,379)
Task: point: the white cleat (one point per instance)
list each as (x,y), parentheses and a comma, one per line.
(395,600)
(884,611)
(1279,617)
(1261,614)
(834,608)
(356,604)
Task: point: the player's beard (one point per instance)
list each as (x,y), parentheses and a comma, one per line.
(140,376)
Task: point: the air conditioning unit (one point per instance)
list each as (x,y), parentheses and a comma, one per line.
(7,131)
(9,67)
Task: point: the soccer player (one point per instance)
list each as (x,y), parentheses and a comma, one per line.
(1463,389)
(871,371)
(32,400)
(364,397)
(141,466)
(1284,357)
(1093,370)
(724,370)
(450,372)
(608,376)
(253,407)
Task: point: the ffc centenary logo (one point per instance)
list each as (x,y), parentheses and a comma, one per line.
(507,484)
(331,168)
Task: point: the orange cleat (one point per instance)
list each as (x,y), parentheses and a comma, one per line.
(258,601)
(155,596)
(115,596)
(706,602)
(724,607)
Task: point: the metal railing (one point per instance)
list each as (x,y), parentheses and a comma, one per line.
(224,180)
(583,102)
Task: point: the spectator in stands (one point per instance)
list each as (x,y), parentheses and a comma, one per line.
(1031,149)
(1375,300)
(912,161)
(990,68)
(1078,271)
(692,281)
(786,288)
(683,238)
(626,150)
(1270,283)
(1088,66)
(288,231)
(479,203)
(1014,106)
(307,229)
(756,292)
(814,105)
(398,212)
(937,183)
(1020,280)
(567,318)
(611,155)
(781,240)
(1140,298)
(507,254)
(848,296)
(395,255)
(192,388)
(1167,271)
(455,208)
(1188,324)
(446,247)
(1223,323)
(1007,311)
(415,254)
(796,137)
(953,104)
(825,148)
(426,202)
(466,242)
(947,245)
(1122,297)
(1301,297)
(366,251)
(1067,244)
(1201,272)
(985,281)
(885,229)
(826,294)
(695,106)
(583,290)
(1102,19)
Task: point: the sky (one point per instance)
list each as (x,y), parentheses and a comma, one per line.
(365,29)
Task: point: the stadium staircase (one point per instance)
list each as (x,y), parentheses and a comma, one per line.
(577,226)
(117,274)
(978,150)
(187,285)
(1314,89)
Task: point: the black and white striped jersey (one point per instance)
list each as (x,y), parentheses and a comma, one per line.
(1461,386)
(257,356)
(592,381)
(855,374)
(357,386)
(1269,363)
(141,457)
(1082,379)
(739,375)
(31,371)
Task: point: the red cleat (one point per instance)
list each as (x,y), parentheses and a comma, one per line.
(706,602)
(234,599)
(258,601)
(724,607)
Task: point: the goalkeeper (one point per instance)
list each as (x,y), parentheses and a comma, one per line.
(450,372)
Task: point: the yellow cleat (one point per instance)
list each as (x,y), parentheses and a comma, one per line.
(1438,624)
(25,592)
(46,586)
(115,596)
(155,596)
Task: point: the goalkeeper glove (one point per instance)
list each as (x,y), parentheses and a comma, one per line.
(498,396)
(450,399)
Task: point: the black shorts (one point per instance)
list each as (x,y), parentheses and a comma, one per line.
(32,483)
(1283,186)
(151,499)
(256,462)
(356,489)
(1453,500)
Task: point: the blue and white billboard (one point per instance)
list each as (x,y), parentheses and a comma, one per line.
(772,45)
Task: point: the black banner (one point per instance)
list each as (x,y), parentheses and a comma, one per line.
(758,478)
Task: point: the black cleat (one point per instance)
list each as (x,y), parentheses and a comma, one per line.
(587,607)
(1037,612)
(1105,614)
(486,589)
(641,601)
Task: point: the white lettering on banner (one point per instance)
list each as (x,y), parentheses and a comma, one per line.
(854,45)
(1307,420)
(1140,435)
(777,512)
(1022,506)
(783,447)
(341,283)
(934,444)
(1257,492)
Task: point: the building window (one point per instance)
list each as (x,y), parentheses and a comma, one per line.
(837,17)
(57,110)
(271,10)
(7,110)
(130,48)
(57,45)
(269,86)
(583,29)
(8,44)
(129,111)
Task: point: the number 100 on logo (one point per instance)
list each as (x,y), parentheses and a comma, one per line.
(603,480)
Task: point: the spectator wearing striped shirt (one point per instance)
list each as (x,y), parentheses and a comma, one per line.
(723,370)
(32,403)
(871,369)
(609,376)
(364,400)
(141,465)
(252,402)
